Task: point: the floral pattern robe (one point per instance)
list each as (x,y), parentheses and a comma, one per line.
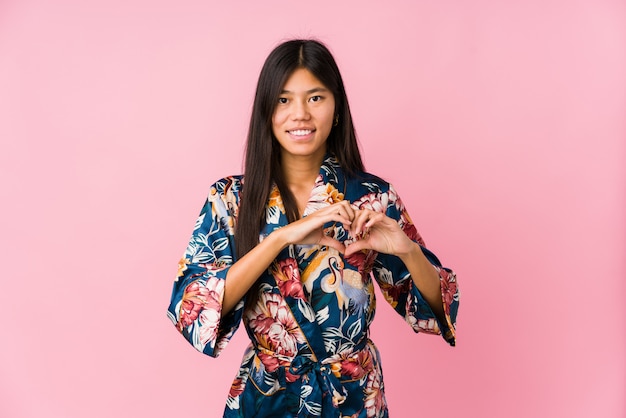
(309,316)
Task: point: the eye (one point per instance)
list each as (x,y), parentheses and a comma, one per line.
(315,98)
(282,100)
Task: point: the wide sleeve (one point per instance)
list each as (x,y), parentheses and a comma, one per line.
(398,287)
(196,304)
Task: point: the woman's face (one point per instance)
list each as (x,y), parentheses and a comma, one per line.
(303,116)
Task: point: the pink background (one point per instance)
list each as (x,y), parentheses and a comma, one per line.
(502,124)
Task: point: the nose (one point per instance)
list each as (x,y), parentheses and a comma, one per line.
(300,110)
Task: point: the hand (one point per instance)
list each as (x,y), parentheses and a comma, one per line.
(378,232)
(310,229)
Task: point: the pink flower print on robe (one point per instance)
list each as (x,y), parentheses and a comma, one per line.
(372,201)
(355,365)
(287,277)
(272,363)
(274,326)
(212,312)
(409,228)
(202,302)
(236,388)
(363,261)
(192,302)
(374,400)
(448,289)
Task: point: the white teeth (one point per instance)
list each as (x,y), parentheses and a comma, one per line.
(301,132)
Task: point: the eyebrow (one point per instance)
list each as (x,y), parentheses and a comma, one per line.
(314,90)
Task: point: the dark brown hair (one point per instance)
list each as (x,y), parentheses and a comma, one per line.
(262,164)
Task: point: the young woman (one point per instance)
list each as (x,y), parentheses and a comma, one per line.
(291,248)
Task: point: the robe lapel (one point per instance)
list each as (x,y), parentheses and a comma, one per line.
(326,392)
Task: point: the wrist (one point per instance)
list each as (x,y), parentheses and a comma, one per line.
(278,239)
(411,252)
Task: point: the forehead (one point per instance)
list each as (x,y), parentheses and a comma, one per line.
(302,80)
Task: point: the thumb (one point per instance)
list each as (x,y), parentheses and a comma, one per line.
(356,246)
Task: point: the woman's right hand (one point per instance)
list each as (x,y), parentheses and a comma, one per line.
(309,230)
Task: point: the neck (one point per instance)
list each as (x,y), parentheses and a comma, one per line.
(301,171)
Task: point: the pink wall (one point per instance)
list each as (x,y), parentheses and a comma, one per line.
(501,123)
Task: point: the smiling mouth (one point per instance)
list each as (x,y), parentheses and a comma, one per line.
(300,132)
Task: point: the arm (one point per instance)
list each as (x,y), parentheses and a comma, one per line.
(410,276)
(425,277)
(196,302)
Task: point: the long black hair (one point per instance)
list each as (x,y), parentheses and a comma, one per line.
(262,166)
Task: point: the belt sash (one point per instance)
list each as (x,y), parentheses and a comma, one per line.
(316,390)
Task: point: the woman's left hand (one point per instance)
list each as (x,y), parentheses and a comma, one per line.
(376,231)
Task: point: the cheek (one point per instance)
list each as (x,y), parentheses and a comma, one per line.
(275,121)
(329,118)
(331,113)
(279,117)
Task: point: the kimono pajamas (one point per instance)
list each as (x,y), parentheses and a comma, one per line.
(308,315)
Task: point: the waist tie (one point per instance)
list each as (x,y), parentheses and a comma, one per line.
(317,389)
(314,389)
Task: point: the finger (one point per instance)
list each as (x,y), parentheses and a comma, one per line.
(360,220)
(350,212)
(339,210)
(331,242)
(324,216)
(344,209)
(339,213)
(373,218)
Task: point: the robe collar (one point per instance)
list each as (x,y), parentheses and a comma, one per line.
(329,188)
